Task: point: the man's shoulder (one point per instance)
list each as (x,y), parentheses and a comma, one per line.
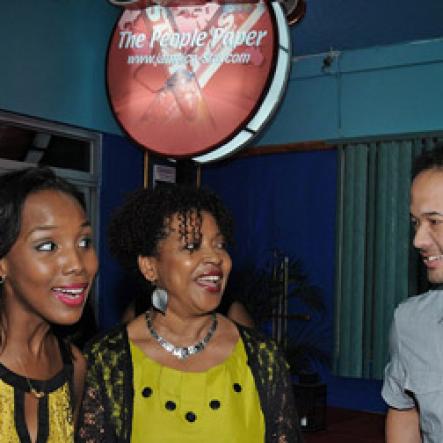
(421,307)
(416,323)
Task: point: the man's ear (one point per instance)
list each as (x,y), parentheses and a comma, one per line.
(148,267)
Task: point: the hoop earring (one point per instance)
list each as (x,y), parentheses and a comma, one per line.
(159,299)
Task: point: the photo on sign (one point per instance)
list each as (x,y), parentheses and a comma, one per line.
(163,174)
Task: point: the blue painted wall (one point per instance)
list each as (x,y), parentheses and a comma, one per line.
(379,91)
(351,24)
(52,60)
(122,172)
(288,201)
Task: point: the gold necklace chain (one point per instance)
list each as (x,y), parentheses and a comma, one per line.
(33,391)
(37,394)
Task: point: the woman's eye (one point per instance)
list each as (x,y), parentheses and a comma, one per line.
(221,245)
(85,242)
(46,246)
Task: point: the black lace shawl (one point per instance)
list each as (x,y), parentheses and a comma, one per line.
(106,413)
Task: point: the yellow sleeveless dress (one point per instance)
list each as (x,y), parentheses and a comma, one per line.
(55,420)
(220,405)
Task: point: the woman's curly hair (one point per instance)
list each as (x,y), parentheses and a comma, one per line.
(137,227)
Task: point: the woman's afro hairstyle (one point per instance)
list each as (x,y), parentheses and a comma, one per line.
(143,220)
(15,187)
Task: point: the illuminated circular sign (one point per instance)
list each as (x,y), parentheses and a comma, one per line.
(197,81)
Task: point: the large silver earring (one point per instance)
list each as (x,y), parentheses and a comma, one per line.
(2,279)
(159,299)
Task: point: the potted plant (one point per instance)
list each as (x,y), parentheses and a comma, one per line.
(286,305)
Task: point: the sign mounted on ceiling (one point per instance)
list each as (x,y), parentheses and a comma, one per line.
(200,80)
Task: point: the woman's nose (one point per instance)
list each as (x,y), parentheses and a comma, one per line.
(73,262)
(212,255)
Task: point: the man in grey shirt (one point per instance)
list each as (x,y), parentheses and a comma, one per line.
(413,385)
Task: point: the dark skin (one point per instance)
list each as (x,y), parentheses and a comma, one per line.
(53,253)
(236,312)
(195,277)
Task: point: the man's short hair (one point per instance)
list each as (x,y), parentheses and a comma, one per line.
(432,159)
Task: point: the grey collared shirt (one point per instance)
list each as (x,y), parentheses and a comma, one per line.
(415,370)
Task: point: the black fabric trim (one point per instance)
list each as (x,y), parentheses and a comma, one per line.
(19,416)
(20,382)
(20,421)
(21,386)
(68,368)
(43,420)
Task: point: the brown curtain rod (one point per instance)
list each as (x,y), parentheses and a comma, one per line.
(281,149)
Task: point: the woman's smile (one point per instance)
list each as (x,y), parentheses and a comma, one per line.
(194,277)
(72,295)
(211,280)
(52,264)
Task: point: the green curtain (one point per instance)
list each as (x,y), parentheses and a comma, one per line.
(375,259)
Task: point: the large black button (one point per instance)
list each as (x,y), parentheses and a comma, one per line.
(170,405)
(191,417)
(147,392)
(214,404)
(237,387)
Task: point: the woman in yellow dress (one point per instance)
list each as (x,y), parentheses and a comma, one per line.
(47,265)
(180,372)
